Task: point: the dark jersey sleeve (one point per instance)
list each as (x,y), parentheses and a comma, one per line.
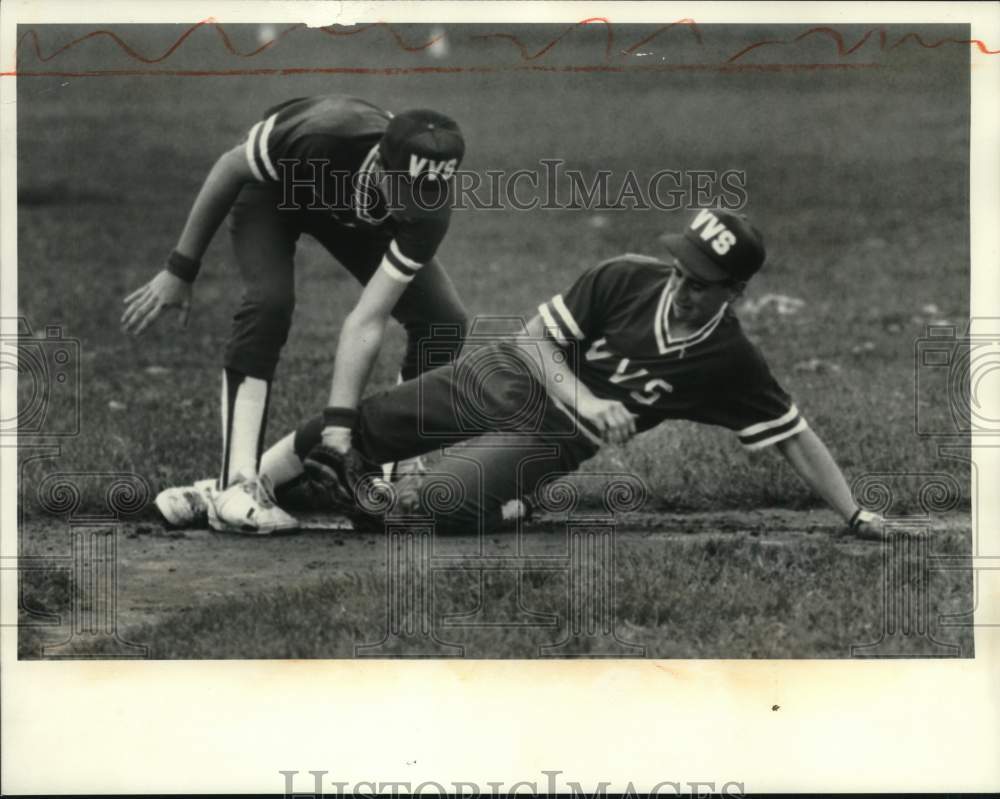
(581,311)
(284,134)
(751,402)
(415,243)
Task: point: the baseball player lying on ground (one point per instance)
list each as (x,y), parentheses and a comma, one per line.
(372,188)
(633,342)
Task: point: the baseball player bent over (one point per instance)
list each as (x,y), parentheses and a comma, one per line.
(373,189)
(635,341)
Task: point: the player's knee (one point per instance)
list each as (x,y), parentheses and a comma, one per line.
(461,323)
(499,388)
(276,304)
(272,313)
(449,501)
(431,344)
(447,330)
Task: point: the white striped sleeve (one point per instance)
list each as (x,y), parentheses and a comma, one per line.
(566,317)
(551,326)
(257,150)
(249,148)
(763,434)
(398,266)
(559,321)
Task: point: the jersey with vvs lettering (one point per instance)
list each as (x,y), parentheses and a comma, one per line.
(615,318)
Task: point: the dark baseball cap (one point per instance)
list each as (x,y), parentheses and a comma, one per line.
(422,149)
(718,245)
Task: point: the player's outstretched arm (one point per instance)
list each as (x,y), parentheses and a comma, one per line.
(171,287)
(360,341)
(808,455)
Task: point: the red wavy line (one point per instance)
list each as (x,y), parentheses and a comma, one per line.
(916,36)
(843,50)
(862,40)
(690,23)
(526,56)
(329,31)
(135,55)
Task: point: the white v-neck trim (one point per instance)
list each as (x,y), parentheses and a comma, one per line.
(365,183)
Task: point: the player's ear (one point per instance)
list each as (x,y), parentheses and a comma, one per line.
(736,289)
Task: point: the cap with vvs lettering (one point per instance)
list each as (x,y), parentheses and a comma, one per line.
(718,245)
(422,148)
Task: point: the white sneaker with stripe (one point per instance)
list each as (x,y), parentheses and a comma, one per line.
(248,506)
(186,506)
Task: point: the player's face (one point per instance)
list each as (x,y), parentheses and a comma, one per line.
(696,300)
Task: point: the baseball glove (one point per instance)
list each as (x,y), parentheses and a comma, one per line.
(338,476)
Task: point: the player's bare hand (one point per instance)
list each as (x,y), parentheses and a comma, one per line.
(164,292)
(868,526)
(614,421)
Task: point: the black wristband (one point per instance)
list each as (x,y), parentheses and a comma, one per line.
(340,417)
(854,519)
(183,267)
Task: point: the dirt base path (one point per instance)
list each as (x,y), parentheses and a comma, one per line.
(160,571)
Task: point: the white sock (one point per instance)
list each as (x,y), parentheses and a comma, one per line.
(242,431)
(389,467)
(280,462)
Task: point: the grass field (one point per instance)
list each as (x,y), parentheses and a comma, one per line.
(857,177)
(762,585)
